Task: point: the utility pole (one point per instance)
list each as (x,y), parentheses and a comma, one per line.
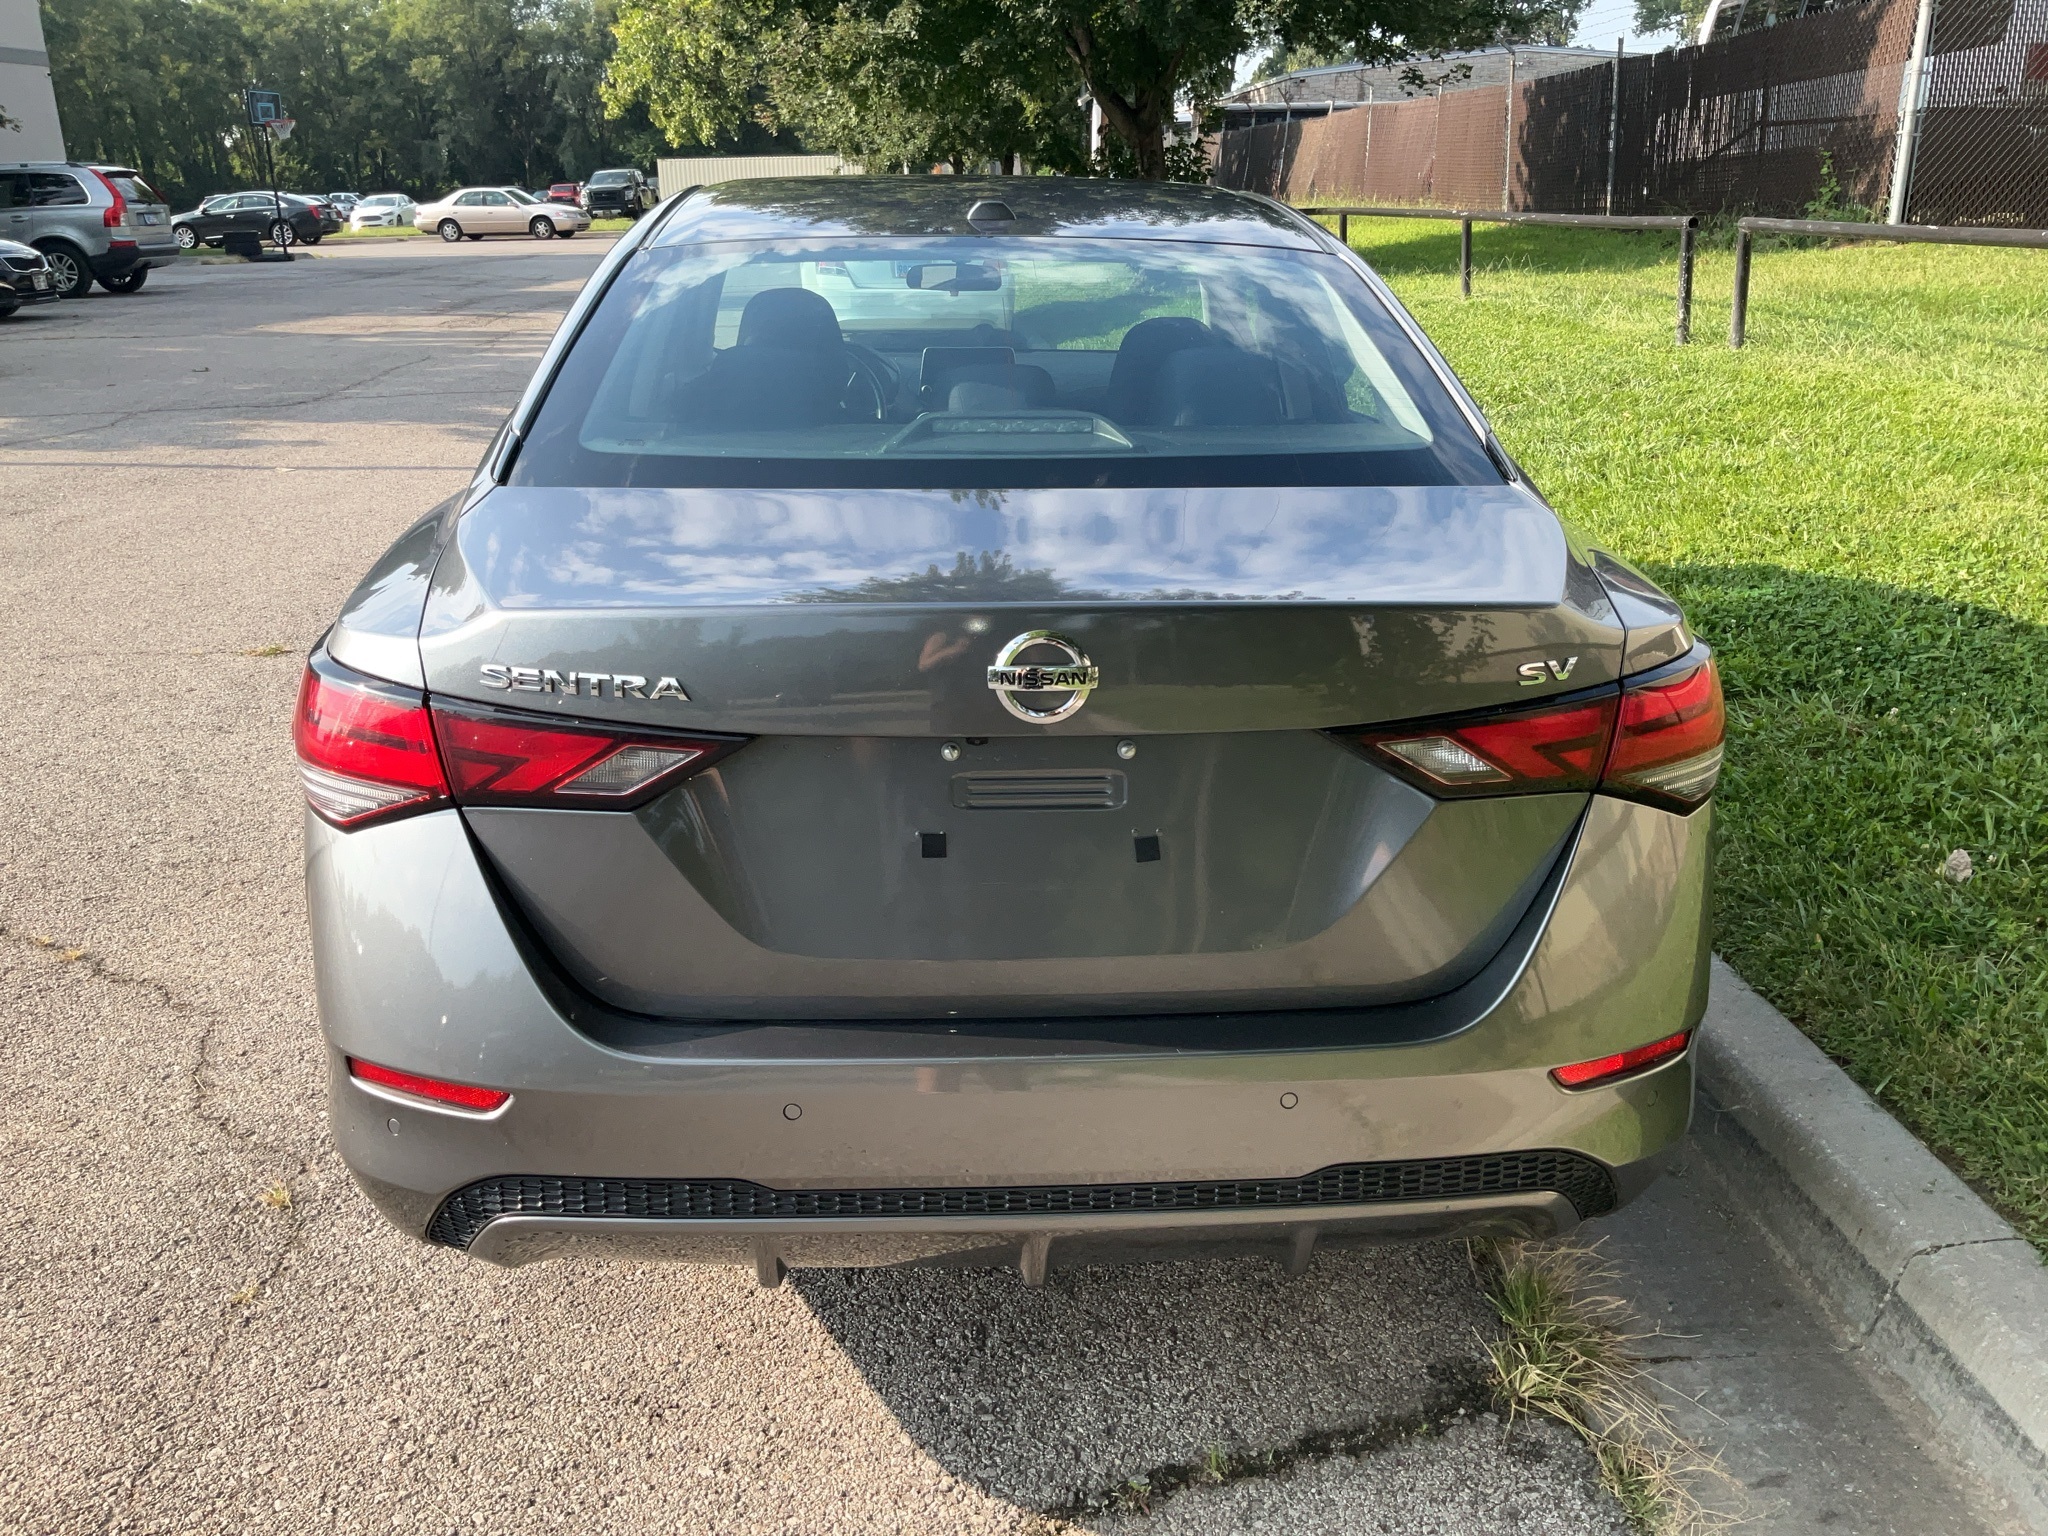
(1614,125)
(1912,105)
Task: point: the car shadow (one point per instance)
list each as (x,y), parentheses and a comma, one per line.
(1056,1399)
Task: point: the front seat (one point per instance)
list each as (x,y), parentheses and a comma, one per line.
(1134,376)
(789,369)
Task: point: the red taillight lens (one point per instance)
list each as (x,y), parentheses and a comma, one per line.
(1667,747)
(1656,739)
(461,1095)
(116,215)
(366,748)
(1552,747)
(502,758)
(1605,1069)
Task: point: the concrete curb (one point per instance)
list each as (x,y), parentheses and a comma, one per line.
(1933,1282)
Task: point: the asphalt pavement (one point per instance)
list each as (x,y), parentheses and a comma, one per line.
(204,1327)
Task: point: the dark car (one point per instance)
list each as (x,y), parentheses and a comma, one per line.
(25,277)
(1020,720)
(283,219)
(618,194)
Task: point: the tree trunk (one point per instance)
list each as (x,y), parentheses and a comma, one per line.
(1139,120)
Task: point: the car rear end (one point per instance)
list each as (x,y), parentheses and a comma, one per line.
(136,221)
(1159,782)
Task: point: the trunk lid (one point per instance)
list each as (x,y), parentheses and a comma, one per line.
(1187,839)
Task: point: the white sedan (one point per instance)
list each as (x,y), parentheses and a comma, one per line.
(387,210)
(478,211)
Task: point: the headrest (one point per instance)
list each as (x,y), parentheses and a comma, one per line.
(789,317)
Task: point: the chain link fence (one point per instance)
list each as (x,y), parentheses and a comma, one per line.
(1804,117)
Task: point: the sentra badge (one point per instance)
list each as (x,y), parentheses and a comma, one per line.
(588,685)
(1074,675)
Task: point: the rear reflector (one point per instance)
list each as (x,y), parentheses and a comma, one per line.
(366,748)
(498,757)
(461,1095)
(1605,1069)
(1656,738)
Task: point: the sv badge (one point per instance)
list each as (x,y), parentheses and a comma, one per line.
(1534,672)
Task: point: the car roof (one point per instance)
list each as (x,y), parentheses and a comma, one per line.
(1096,207)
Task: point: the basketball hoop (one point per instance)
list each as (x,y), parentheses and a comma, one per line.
(281,127)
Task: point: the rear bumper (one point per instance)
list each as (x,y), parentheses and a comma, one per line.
(121,260)
(856,1144)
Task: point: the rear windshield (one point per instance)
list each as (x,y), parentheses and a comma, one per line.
(135,189)
(994,364)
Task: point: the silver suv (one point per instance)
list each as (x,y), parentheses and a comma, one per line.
(89,221)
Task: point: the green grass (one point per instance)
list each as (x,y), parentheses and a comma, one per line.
(1854,510)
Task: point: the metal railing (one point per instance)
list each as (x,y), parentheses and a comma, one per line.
(1746,230)
(1686,224)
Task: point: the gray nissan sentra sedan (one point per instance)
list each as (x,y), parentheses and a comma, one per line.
(1012,722)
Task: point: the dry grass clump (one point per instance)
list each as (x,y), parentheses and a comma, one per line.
(1567,1353)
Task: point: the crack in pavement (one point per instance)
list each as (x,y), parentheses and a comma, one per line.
(1472,1394)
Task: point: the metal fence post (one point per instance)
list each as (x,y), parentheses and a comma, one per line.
(1614,125)
(1507,148)
(1912,104)
(1344,227)
(1685,243)
(1465,257)
(1738,319)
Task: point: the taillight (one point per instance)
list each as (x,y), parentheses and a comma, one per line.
(1656,739)
(366,748)
(501,757)
(1518,751)
(1605,1069)
(1667,744)
(116,215)
(460,1095)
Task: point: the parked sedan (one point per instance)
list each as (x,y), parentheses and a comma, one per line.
(473,212)
(386,210)
(1285,832)
(283,219)
(25,278)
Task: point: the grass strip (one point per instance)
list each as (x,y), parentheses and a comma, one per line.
(1854,509)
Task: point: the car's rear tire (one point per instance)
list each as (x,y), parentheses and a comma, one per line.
(128,282)
(449,230)
(187,240)
(316,237)
(542,227)
(282,235)
(69,269)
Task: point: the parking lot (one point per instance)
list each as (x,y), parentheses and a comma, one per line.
(204,1327)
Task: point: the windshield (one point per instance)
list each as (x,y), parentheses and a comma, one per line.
(995,363)
(519,195)
(610,179)
(134,188)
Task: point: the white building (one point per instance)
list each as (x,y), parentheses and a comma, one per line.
(26,94)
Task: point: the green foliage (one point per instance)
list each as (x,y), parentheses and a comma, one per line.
(1679,18)
(1832,201)
(972,80)
(416,95)
(1851,508)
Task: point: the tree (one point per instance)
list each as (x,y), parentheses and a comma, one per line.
(706,65)
(1680,17)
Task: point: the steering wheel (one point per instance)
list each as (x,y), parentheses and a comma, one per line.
(873,370)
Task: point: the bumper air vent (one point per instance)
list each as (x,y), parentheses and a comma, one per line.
(1044,789)
(1580,1180)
